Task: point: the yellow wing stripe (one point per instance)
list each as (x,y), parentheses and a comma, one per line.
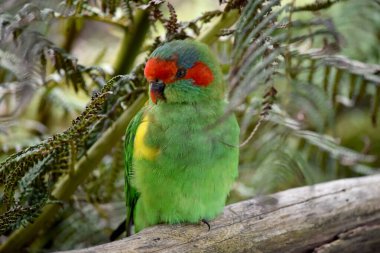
(141,150)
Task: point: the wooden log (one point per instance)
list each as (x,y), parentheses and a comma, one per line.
(338,216)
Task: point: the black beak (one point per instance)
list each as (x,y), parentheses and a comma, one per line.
(157,90)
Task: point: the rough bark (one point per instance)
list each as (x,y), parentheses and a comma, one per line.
(338,216)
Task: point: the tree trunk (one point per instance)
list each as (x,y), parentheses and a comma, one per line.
(338,216)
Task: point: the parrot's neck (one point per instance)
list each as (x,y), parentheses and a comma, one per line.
(203,113)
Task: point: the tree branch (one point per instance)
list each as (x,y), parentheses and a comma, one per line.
(133,39)
(338,216)
(225,21)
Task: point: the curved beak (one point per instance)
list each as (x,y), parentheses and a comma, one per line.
(157,90)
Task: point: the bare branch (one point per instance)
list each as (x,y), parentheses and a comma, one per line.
(328,217)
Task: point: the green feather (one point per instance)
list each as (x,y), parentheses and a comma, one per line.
(131,195)
(194,172)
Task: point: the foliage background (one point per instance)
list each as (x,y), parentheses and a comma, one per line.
(304,78)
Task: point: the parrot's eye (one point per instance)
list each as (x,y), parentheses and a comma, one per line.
(181,72)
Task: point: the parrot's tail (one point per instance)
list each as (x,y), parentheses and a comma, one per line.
(118,231)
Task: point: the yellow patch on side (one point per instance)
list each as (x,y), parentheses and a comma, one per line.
(140,149)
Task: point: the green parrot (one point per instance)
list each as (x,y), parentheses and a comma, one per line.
(180,165)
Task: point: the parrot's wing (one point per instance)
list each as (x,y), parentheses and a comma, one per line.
(131,194)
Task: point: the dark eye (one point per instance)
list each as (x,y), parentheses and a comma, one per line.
(181,72)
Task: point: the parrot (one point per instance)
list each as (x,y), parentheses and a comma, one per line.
(180,164)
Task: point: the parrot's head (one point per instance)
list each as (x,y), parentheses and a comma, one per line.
(183,71)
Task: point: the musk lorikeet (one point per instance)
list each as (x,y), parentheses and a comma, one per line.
(180,165)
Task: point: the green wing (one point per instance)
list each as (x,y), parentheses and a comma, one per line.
(131,194)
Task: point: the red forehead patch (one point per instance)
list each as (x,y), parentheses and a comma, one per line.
(160,69)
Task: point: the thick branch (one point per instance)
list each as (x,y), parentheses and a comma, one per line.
(328,217)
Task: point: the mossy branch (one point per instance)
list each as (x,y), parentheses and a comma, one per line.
(133,39)
(225,21)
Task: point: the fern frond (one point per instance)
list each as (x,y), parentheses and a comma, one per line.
(57,155)
(345,80)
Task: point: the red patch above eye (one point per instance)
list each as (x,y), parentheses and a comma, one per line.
(160,69)
(201,74)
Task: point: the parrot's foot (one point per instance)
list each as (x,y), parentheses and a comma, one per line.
(206,222)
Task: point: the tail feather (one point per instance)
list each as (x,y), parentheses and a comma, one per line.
(118,231)
(129,221)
